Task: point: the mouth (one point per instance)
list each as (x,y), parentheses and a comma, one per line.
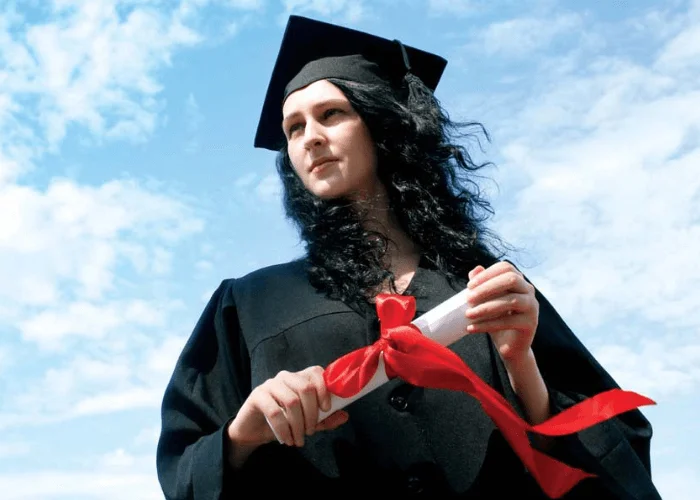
(321,162)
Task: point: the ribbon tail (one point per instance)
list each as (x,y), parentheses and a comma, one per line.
(554,477)
(592,411)
(441,368)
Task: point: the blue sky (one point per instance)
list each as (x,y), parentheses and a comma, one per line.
(129,188)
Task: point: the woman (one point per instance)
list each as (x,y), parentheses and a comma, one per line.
(385,202)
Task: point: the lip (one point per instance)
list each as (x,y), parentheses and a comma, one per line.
(320,162)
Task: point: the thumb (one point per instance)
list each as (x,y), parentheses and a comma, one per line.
(335,419)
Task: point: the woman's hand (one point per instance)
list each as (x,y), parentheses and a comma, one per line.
(283,408)
(503,304)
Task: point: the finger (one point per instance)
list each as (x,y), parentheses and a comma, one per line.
(322,392)
(302,385)
(332,421)
(509,282)
(475,271)
(290,402)
(275,417)
(509,322)
(491,272)
(512,303)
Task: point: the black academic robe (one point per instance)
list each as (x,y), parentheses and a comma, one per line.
(400,440)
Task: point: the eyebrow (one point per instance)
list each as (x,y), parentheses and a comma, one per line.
(320,104)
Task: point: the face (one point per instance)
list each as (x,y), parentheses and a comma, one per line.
(328,143)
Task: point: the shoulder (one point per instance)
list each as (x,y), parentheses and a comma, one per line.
(292,272)
(264,280)
(272,284)
(273,298)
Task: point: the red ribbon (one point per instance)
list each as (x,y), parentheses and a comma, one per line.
(421,361)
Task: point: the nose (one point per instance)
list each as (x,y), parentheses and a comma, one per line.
(313,135)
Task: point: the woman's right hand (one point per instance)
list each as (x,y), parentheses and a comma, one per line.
(284,408)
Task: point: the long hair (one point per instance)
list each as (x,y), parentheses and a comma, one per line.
(430,182)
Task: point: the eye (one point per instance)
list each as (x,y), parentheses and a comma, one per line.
(331,111)
(293,128)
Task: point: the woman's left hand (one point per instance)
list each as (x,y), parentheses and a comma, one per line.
(502,303)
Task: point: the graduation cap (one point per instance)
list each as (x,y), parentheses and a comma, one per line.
(313,50)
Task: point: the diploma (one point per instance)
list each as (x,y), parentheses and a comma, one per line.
(404,344)
(446,323)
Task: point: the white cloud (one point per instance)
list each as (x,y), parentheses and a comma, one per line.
(50,327)
(89,485)
(517,37)
(206,296)
(245,4)
(5,359)
(114,475)
(148,437)
(683,50)
(117,401)
(160,362)
(626,197)
(118,459)
(610,161)
(162,261)
(89,64)
(81,319)
(14,449)
(96,68)
(195,118)
(245,180)
(351,10)
(453,7)
(193,113)
(110,380)
(82,266)
(655,369)
(61,388)
(204,265)
(679,484)
(67,242)
(269,189)
(600,185)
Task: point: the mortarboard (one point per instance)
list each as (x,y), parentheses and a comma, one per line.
(313,50)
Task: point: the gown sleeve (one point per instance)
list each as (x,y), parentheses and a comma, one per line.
(618,450)
(208,386)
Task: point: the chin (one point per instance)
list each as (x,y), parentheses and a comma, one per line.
(327,192)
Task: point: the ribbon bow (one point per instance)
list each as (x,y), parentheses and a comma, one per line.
(421,361)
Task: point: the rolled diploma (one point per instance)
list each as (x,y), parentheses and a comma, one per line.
(445,323)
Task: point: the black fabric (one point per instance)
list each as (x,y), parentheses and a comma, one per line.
(307,40)
(354,68)
(399,440)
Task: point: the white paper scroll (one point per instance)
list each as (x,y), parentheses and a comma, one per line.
(444,323)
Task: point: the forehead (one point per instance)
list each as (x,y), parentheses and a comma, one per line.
(311,95)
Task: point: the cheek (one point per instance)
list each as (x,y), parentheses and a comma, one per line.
(359,142)
(367,151)
(296,160)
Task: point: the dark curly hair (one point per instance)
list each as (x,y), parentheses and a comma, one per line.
(430,182)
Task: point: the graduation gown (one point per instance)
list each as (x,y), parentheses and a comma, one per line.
(400,440)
